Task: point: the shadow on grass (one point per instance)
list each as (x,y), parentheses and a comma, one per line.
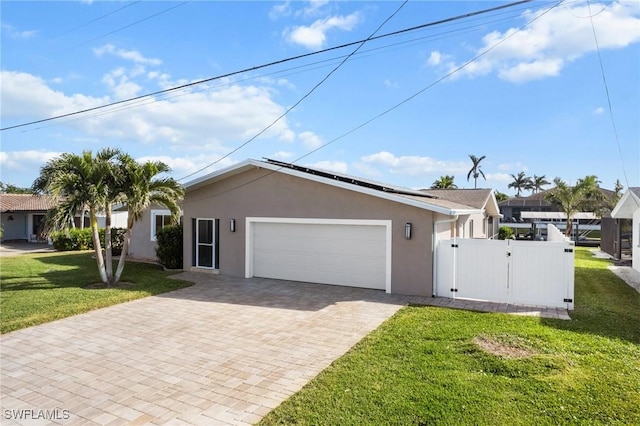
(66,270)
(604,304)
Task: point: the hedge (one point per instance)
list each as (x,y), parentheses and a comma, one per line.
(169,246)
(80,239)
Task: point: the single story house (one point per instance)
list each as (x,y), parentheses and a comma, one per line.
(628,207)
(22,216)
(278,220)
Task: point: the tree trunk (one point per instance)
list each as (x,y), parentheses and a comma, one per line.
(96,245)
(107,246)
(125,249)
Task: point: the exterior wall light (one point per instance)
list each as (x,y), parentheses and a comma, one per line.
(407,231)
(232,225)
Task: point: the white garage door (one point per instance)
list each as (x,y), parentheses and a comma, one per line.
(356,253)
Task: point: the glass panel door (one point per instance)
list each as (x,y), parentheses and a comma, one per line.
(205,243)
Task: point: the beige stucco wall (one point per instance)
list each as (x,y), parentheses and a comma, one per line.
(280,195)
(141,247)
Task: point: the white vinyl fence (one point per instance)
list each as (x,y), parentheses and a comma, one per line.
(533,273)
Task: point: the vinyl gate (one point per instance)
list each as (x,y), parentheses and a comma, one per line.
(534,273)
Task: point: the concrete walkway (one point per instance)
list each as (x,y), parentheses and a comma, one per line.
(224,351)
(11,249)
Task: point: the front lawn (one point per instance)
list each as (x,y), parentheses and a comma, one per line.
(430,365)
(38,288)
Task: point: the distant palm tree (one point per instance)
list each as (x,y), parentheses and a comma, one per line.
(571,199)
(537,182)
(520,182)
(501,196)
(445,182)
(476,171)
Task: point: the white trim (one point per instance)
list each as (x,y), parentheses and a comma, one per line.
(362,222)
(154,213)
(247,164)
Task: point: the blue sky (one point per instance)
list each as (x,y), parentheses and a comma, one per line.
(534,100)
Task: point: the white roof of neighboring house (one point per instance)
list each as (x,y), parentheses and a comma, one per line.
(557,215)
(627,205)
(389,192)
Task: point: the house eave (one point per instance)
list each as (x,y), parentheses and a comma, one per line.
(250,163)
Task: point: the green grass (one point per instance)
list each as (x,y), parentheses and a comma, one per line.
(423,366)
(38,288)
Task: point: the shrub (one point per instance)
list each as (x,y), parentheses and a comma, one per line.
(505,233)
(169,246)
(80,239)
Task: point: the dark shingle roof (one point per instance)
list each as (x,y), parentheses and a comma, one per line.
(26,202)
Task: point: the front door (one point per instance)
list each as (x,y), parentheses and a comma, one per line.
(205,243)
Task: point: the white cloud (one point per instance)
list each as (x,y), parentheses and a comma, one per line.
(507,167)
(391,84)
(314,8)
(18,161)
(435,58)
(26,95)
(553,41)
(130,55)
(598,111)
(213,118)
(279,10)
(283,155)
(13,32)
(314,35)
(413,165)
(333,166)
(183,166)
(310,140)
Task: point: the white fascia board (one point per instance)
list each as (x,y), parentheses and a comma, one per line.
(626,206)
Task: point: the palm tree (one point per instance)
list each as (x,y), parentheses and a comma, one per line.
(445,182)
(520,182)
(570,199)
(476,171)
(81,181)
(139,189)
(501,196)
(537,182)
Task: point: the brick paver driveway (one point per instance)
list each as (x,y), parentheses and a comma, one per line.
(225,351)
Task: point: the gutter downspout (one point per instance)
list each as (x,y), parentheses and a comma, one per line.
(435,250)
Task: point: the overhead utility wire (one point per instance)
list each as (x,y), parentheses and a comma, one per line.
(257,67)
(399,104)
(606,89)
(327,62)
(313,89)
(98,18)
(146,18)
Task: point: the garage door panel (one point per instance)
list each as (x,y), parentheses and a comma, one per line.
(352,255)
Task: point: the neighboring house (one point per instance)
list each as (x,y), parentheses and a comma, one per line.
(530,214)
(22,216)
(628,207)
(481,225)
(277,220)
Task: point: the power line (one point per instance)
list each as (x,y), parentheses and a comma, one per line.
(146,18)
(98,18)
(313,89)
(198,82)
(399,104)
(147,101)
(606,89)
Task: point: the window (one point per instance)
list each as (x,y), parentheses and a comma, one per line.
(471,229)
(159,219)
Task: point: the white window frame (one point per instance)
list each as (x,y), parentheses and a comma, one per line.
(155,213)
